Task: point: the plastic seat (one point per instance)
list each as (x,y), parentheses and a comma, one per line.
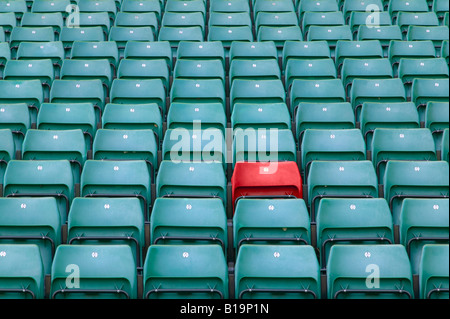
(141,50)
(15,117)
(104,50)
(316,6)
(8,22)
(29,34)
(254,70)
(79,91)
(331,34)
(213,50)
(385,34)
(36,20)
(255,116)
(434,272)
(229,6)
(228,34)
(320,69)
(176,34)
(102,221)
(397,6)
(422,222)
(49,7)
(271,222)
(198,91)
(350,265)
(411,50)
(304,50)
(21,267)
(43,50)
(271,272)
(201,271)
(414,179)
(122,35)
(193,184)
(331,145)
(108,6)
(401,115)
(319,18)
(437,34)
(7,151)
(257,91)
(401,144)
(133,69)
(375,18)
(364,69)
(375,90)
(185,6)
(126,145)
(334,116)
(263,146)
(140,6)
(253,51)
(279,35)
(275,19)
(364,50)
(124,91)
(199,69)
(57,145)
(440,7)
(133,19)
(354,221)
(88,34)
(108,271)
(197,145)
(50,178)
(425,90)
(41,70)
(266,6)
(5,56)
(350,6)
(189,221)
(315,91)
(436,119)
(445,50)
(133,117)
(340,179)
(236,19)
(266,180)
(445,145)
(406,19)
(186,115)
(23,91)
(184,19)
(26,220)
(54,116)
(411,69)
(19,7)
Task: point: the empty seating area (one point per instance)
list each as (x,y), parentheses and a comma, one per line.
(176,149)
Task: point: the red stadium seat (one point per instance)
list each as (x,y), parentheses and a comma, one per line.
(266,180)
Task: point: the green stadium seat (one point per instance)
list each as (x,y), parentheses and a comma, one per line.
(86,50)
(253,50)
(133,69)
(334,116)
(108,6)
(88,34)
(253,115)
(19,7)
(369,49)
(117,178)
(397,6)
(368,272)
(193,183)
(331,145)
(426,90)
(271,222)
(364,69)
(21,267)
(54,116)
(8,21)
(7,151)
(142,6)
(257,91)
(375,90)
(199,69)
(445,145)
(32,221)
(440,7)
(186,115)
(331,34)
(127,91)
(41,178)
(434,272)
(107,221)
(79,91)
(304,50)
(213,50)
(188,221)
(437,34)
(446,19)
(422,222)
(260,69)
(406,19)
(259,6)
(103,271)
(316,69)
(198,91)
(229,6)
(374,18)
(184,19)
(319,18)
(121,35)
(16,118)
(141,50)
(44,6)
(354,221)
(236,19)
(271,272)
(133,19)
(29,34)
(185,6)
(43,50)
(37,20)
(5,56)
(228,34)
(127,145)
(415,144)
(23,91)
(263,146)
(316,6)
(57,145)
(436,119)
(340,179)
(385,34)
(197,145)
(445,50)
(133,117)
(180,33)
(200,270)
(411,50)
(315,91)
(414,179)
(275,19)
(350,6)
